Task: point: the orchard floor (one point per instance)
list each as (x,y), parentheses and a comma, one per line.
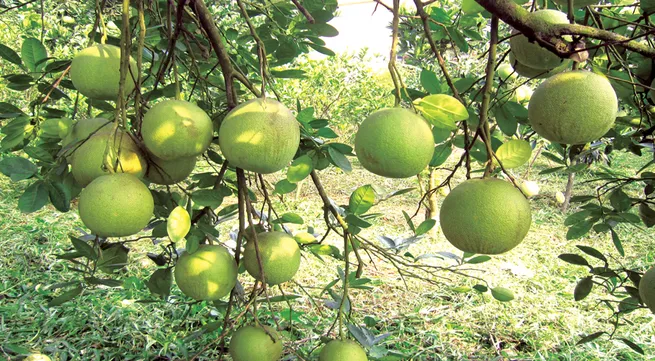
(426,322)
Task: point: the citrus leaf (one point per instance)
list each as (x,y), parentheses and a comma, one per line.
(583,288)
(160,282)
(17,168)
(208,197)
(442,110)
(34,197)
(300,169)
(66,296)
(430,82)
(290,218)
(178,224)
(339,159)
(590,338)
(632,345)
(502,294)
(8,54)
(33,52)
(425,226)
(59,196)
(514,153)
(573,259)
(441,154)
(284,187)
(478,259)
(362,199)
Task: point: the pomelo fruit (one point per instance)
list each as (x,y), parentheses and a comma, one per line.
(169,172)
(84,128)
(250,343)
(175,129)
(280,257)
(113,258)
(531,53)
(647,289)
(506,72)
(208,274)
(485,216)
(178,224)
(37,357)
(342,350)
(394,143)
(95,72)
(88,161)
(530,188)
(528,72)
(522,94)
(260,135)
(116,205)
(259,228)
(575,107)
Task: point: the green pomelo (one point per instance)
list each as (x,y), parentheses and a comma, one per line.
(531,53)
(37,357)
(280,257)
(113,258)
(250,343)
(394,143)
(575,107)
(260,135)
(485,216)
(124,155)
(57,128)
(647,289)
(528,72)
(259,228)
(169,172)
(522,94)
(577,3)
(82,130)
(116,205)
(175,129)
(95,72)
(208,274)
(506,72)
(345,350)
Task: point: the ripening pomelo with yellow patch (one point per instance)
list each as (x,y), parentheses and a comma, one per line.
(647,289)
(575,107)
(208,274)
(531,53)
(113,257)
(342,350)
(167,172)
(485,216)
(37,357)
(178,224)
(250,343)
(532,73)
(279,254)
(95,72)
(175,129)
(260,135)
(394,143)
(116,205)
(119,151)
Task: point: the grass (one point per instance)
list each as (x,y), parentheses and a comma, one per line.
(425,322)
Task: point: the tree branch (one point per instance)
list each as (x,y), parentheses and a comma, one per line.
(549,35)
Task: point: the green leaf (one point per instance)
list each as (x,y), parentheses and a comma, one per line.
(160,282)
(590,338)
(339,159)
(573,258)
(290,218)
(284,187)
(502,294)
(34,197)
(592,252)
(321,49)
(631,344)
(208,197)
(425,226)
(300,169)
(440,135)
(356,221)
(32,53)
(514,153)
(8,111)
(327,133)
(478,259)
(289,73)
(458,39)
(8,54)
(442,110)
(617,242)
(577,217)
(19,350)
(578,230)
(84,248)
(321,29)
(441,154)
(66,296)
(60,196)
(506,121)
(647,215)
(409,221)
(362,199)
(620,200)
(430,82)
(583,288)
(17,168)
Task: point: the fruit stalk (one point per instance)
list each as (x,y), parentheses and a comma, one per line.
(486,97)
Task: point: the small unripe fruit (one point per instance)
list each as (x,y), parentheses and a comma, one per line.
(250,343)
(37,357)
(279,254)
(208,274)
(530,188)
(342,350)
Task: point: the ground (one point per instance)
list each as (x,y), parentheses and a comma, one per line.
(426,322)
